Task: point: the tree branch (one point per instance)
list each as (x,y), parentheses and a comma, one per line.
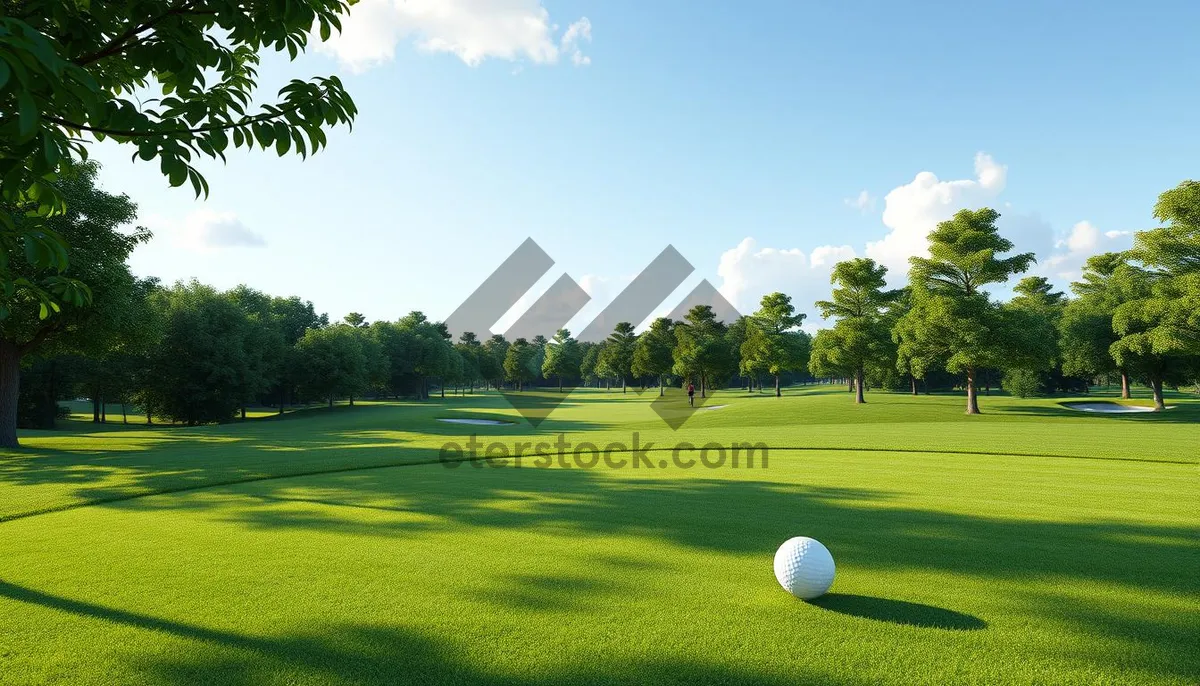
(245,121)
(121,42)
(38,338)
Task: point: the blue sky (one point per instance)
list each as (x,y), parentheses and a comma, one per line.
(699,124)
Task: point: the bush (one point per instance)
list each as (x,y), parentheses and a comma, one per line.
(1023,383)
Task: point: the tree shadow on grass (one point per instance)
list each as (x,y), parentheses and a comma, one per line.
(898,612)
(367,654)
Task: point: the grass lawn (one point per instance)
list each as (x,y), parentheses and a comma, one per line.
(1032,544)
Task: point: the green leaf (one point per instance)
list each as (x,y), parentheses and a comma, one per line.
(27,116)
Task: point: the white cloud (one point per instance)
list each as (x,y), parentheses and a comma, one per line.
(748,273)
(209,231)
(1084,236)
(579,32)
(863,202)
(473,30)
(1065,264)
(913,210)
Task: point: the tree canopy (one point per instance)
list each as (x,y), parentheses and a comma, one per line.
(173,78)
(951,318)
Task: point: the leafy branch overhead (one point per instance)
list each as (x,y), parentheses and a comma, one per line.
(174,78)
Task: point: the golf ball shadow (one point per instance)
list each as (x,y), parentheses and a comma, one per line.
(804,567)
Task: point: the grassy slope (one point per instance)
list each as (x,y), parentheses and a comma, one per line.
(952,567)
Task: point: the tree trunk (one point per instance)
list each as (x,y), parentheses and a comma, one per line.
(281,400)
(850,385)
(96,407)
(778,393)
(103,410)
(560,383)
(10,393)
(702,386)
(622,385)
(661,390)
(124,415)
(1156,386)
(243,412)
(858,387)
(331,400)
(352,400)
(441,388)
(914,383)
(1125,395)
(972,401)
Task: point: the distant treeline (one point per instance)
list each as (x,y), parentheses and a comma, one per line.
(189,353)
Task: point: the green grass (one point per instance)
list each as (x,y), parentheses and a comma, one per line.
(1032,544)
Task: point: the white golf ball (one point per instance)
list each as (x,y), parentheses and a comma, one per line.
(804,567)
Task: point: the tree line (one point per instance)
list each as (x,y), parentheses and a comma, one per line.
(190,353)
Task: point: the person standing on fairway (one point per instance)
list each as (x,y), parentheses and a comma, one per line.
(691,395)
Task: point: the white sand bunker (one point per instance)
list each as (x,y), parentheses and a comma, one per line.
(711,407)
(484,422)
(1107,408)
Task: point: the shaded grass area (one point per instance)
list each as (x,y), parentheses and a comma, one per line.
(86,463)
(504,575)
(953,567)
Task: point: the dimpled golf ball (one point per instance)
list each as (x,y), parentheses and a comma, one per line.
(804,567)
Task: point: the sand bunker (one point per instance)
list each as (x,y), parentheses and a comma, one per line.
(711,407)
(1107,408)
(484,422)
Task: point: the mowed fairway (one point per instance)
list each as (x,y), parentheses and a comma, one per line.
(1031,544)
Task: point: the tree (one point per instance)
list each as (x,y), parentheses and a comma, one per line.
(562,357)
(589,361)
(333,361)
(539,343)
(1160,325)
(195,373)
(70,68)
(1086,334)
(519,361)
(652,352)
(98,253)
(429,349)
(377,368)
(772,343)
(1032,318)
(701,350)
(264,344)
(293,316)
(825,359)
(618,353)
(470,349)
(952,319)
(491,362)
(355,319)
(860,335)
(912,367)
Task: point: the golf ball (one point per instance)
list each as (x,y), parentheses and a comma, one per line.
(804,567)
